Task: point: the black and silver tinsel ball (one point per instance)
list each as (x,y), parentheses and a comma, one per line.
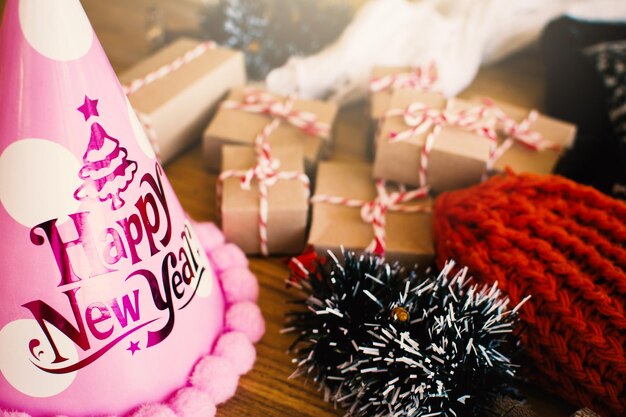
(381,341)
(271,31)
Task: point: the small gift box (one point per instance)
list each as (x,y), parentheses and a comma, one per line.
(353,212)
(386,80)
(263,198)
(174,91)
(304,123)
(426,139)
(528,141)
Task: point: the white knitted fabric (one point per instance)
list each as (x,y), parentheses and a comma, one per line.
(457,35)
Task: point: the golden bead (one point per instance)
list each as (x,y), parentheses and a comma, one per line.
(400,314)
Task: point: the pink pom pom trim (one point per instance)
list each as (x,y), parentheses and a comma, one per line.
(239,284)
(192,402)
(246,317)
(154,410)
(237,348)
(216,376)
(14,414)
(209,235)
(228,256)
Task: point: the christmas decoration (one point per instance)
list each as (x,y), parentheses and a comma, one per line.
(106,171)
(565,244)
(270,31)
(379,340)
(117,279)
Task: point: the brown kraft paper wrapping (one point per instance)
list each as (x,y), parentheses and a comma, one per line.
(408,235)
(381,100)
(232,126)
(458,157)
(180,104)
(287,201)
(522,159)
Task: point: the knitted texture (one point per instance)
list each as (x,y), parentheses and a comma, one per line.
(565,244)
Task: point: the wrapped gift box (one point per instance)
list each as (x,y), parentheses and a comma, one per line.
(287,203)
(558,136)
(385,80)
(458,157)
(233,125)
(408,236)
(179,104)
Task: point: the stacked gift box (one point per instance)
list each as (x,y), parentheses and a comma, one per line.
(307,124)
(266,148)
(270,152)
(175,91)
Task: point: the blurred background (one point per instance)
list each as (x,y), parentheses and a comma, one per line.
(269,31)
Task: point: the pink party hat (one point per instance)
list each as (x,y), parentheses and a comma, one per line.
(107,300)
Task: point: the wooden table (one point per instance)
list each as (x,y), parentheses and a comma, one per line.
(267,391)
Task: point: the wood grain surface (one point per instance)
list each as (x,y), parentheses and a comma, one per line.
(267,391)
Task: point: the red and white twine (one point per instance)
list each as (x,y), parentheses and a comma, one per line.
(515,132)
(421,78)
(261,102)
(266,173)
(375,211)
(421,118)
(156,75)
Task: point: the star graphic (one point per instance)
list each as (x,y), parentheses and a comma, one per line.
(134,347)
(89,108)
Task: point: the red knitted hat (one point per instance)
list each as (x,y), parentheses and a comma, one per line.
(565,244)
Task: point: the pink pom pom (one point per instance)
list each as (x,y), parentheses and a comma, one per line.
(237,348)
(14,414)
(246,317)
(215,376)
(192,402)
(209,234)
(154,410)
(228,256)
(239,284)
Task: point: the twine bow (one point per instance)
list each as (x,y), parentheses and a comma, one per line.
(261,102)
(266,172)
(420,78)
(159,73)
(375,212)
(515,132)
(420,118)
